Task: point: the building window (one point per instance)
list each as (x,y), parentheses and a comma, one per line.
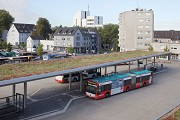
(78,38)
(148,14)
(140,26)
(140,38)
(148,20)
(68,39)
(77,43)
(140,32)
(147,26)
(147,32)
(140,20)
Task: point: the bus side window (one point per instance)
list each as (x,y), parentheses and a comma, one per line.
(138,80)
(145,78)
(107,87)
(127,82)
(102,88)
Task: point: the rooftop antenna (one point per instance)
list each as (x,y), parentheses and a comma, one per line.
(88,7)
(137,4)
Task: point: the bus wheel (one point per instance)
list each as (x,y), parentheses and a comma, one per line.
(127,89)
(75,79)
(107,95)
(144,84)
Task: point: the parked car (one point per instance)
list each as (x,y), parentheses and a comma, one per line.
(153,68)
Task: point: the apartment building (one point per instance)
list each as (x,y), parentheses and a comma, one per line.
(19,32)
(136,29)
(83,19)
(167,39)
(83,40)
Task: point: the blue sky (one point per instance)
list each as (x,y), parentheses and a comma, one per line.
(60,12)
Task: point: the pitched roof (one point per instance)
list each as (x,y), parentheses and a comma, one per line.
(37,37)
(66,31)
(173,35)
(24,28)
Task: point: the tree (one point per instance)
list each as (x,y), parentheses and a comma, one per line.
(3,44)
(43,28)
(22,45)
(40,50)
(150,48)
(109,36)
(9,47)
(166,49)
(5,21)
(70,49)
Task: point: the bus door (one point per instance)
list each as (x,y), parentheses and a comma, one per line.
(133,82)
(115,87)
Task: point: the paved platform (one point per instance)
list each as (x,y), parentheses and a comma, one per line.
(37,109)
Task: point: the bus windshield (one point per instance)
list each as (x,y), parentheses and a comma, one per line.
(91,89)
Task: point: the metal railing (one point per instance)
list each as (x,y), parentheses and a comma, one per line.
(11,104)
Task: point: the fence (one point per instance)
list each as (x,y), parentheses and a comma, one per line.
(11,104)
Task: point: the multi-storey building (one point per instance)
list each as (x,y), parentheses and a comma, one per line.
(83,19)
(167,40)
(81,39)
(136,29)
(18,33)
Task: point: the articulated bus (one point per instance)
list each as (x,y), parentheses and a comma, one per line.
(117,83)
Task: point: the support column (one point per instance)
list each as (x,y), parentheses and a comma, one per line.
(14,92)
(129,66)
(105,71)
(146,61)
(115,68)
(138,64)
(154,60)
(70,81)
(81,80)
(25,94)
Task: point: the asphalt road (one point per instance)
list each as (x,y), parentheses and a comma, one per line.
(148,103)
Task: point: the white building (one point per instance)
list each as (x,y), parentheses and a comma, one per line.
(18,33)
(48,45)
(83,19)
(136,29)
(33,42)
(94,21)
(79,18)
(169,39)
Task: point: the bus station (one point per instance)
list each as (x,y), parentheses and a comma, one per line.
(18,98)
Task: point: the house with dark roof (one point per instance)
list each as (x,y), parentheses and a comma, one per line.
(19,32)
(33,42)
(83,40)
(167,39)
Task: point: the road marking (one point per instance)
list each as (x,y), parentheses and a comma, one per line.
(36,92)
(34,100)
(54,112)
(51,97)
(160,71)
